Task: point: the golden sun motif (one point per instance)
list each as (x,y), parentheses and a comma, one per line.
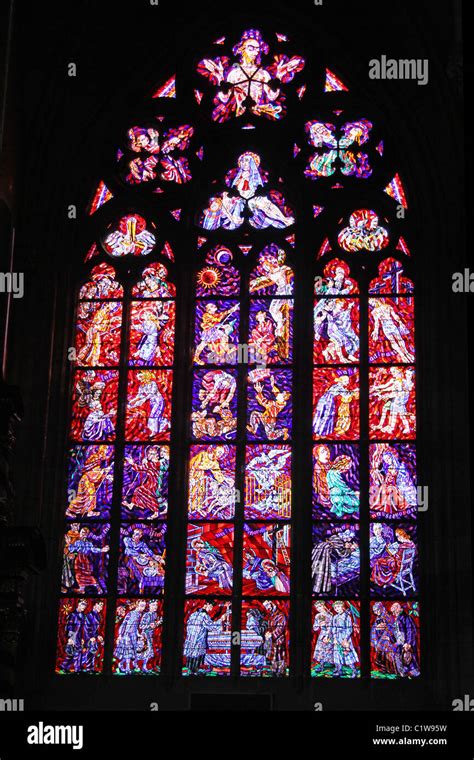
(208,277)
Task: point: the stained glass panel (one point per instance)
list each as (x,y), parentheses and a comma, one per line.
(336,559)
(395,640)
(209,558)
(269,404)
(85,558)
(392,408)
(336,489)
(81,632)
(216,332)
(266,552)
(149,405)
(214,408)
(267,482)
(207,638)
(265,638)
(335,404)
(94,405)
(251,83)
(145,482)
(90,482)
(271,330)
(336,639)
(137,620)
(391,330)
(98,326)
(152,333)
(393,560)
(142,558)
(212,492)
(393,490)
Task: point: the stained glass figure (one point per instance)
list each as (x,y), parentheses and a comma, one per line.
(207,637)
(267,482)
(392,408)
(265,638)
(266,559)
(90,482)
(214,409)
(102,284)
(336,639)
(94,405)
(364,233)
(336,331)
(216,332)
(137,637)
(212,492)
(81,632)
(158,154)
(395,640)
(393,490)
(131,238)
(98,327)
(336,280)
(336,559)
(154,283)
(142,559)
(391,330)
(335,404)
(269,405)
(250,83)
(149,405)
(85,558)
(245,201)
(209,558)
(272,276)
(338,148)
(145,482)
(336,488)
(151,342)
(393,560)
(271,330)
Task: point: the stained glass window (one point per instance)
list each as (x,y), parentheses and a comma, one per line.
(193,480)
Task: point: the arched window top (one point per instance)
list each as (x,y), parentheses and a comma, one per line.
(390,279)
(101,285)
(336,280)
(154,283)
